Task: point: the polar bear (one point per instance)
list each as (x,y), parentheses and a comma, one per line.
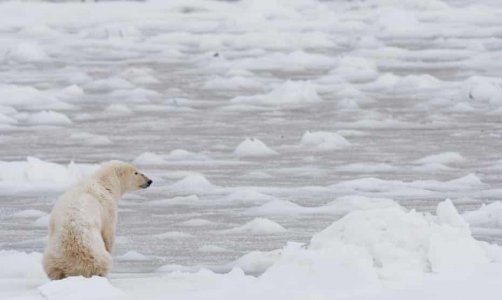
(82,222)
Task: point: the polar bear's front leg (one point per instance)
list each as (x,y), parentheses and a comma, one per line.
(109,239)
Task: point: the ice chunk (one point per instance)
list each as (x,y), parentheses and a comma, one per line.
(48,118)
(193,183)
(323,140)
(253,147)
(149,158)
(258,226)
(132,255)
(80,288)
(442,158)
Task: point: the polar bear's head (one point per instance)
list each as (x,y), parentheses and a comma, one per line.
(129,177)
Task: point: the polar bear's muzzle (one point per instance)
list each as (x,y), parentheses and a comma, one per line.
(147,183)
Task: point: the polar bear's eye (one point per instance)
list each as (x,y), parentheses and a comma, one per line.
(135,173)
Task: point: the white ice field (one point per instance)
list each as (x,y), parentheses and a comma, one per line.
(299,149)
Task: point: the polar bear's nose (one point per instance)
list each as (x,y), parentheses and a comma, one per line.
(149,182)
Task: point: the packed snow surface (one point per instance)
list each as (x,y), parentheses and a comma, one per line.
(298,149)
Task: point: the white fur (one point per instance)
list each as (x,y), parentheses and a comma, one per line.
(83,221)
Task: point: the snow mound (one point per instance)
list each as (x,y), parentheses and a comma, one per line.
(42,222)
(28,52)
(401,243)
(259,226)
(248,196)
(253,147)
(323,140)
(36,170)
(356,69)
(256,262)
(341,205)
(194,183)
(276,207)
(119,109)
(20,264)
(80,288)
(132,256)
(488,216)
(442,158)
(483,90)
(197,223)
(48,118)
(149,158)
(287,94)
(28,213)
(184,155)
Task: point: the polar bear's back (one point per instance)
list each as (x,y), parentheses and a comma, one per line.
(75,244)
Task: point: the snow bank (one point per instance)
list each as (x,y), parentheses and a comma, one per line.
(365,249)
(28,213)
(442,158)
(197,223)
(19,264)
(149,158)
(341,205)
(35,170)
(355,69)
(253,147)
(487,216)
(28,52)
(258,226)
(194,183)
(80,288)
(482,90)
(243,195)
(323,140)
(48,118)
(291,93)
(132,256)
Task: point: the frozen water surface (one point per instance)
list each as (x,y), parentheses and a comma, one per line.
(411,90)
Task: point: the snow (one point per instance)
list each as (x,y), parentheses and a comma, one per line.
(28,213)
(488,216)
(258,226)
(193,183)
(80,288)
(323,140)
(362,117)
(48,118)
(132,255)
(149,158)
(253,147)
(34,170)
(442,158)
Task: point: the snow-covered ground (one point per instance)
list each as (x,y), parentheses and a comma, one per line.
(299,149)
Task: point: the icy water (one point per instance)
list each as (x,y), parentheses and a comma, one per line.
(390,124)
